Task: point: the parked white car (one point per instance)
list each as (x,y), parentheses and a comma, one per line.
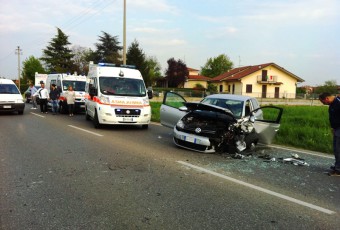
(10,98)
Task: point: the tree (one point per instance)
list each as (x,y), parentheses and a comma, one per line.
(177,73)
(107,50)
(57,56)
(153,71)
(136,56)
(149,67)
(30,66)
(212,88)
(216,66)
(82,57)
(329,86)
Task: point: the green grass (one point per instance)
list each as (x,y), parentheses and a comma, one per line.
(305,127)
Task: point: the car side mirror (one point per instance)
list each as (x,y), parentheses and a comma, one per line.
(150,94)
(183,108)
(93,92)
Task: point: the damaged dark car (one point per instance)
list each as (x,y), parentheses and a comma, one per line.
(220,122)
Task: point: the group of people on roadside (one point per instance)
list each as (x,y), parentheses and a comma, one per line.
(52,96)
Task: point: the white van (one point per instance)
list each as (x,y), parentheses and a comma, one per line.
(63,81)
(11,99)
(116,95)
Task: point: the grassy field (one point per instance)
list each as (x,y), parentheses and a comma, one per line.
(305,127)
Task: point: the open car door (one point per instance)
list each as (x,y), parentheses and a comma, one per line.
(172,109)
(268,126)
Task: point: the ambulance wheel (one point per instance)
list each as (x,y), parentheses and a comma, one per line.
(87,116)
(62,108)
(96,121)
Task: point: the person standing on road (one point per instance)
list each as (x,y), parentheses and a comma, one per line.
(334,118)
(44,96)
(33,90)
(54,96)
(70,98)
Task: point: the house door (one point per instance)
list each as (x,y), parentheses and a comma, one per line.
(264,75)
(277,92)
(233,89)
(221,88)
(264,91)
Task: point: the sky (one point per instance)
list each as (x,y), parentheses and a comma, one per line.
(302,36)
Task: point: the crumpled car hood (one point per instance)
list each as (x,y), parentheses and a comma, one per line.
(200,106)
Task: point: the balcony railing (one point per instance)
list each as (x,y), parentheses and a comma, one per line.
(267,79)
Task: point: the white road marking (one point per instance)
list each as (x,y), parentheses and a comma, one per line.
(312,206)
(37,114)
(97,134)
(302,151)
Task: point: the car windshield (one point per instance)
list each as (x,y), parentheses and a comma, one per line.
(8,89)
(76,85)
(234,106)
(122,86)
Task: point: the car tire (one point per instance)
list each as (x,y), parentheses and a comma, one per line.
(145,126)
(87,116)
(96,123)
(62,108)
(21,112)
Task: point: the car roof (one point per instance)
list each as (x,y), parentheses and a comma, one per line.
(6,81)
(230,96)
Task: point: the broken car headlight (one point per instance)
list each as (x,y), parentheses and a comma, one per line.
(180,124)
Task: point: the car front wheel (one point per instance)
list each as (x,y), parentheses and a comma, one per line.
(87,116)
(96,121)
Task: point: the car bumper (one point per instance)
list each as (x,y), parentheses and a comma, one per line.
(12,107)
(108,116)
(193,142)
(79,105)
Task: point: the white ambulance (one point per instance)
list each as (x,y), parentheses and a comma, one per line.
(116,95)
(63,81)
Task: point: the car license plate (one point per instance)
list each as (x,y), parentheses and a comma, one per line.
(82,106)
(7,106)
(128,119)
(190,139)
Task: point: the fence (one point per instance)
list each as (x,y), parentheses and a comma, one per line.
(197,95)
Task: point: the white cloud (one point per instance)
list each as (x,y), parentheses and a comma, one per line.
(153,5)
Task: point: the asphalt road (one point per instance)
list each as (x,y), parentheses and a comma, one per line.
(58,172)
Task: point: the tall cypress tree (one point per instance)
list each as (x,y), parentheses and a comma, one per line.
(57,55)
(107,49)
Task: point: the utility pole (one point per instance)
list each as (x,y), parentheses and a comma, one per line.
(124,34)
(18,52)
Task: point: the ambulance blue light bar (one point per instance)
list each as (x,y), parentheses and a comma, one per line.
(116,65)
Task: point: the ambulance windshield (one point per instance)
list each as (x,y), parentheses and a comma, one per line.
(76,85)
(122,86)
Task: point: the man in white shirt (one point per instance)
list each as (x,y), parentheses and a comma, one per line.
(44,97)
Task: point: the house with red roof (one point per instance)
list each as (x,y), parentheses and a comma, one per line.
(263,81)
(194,79)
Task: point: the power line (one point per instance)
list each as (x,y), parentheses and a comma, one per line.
(75,21)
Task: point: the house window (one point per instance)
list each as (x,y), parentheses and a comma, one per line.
(221,88)
(249,88)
